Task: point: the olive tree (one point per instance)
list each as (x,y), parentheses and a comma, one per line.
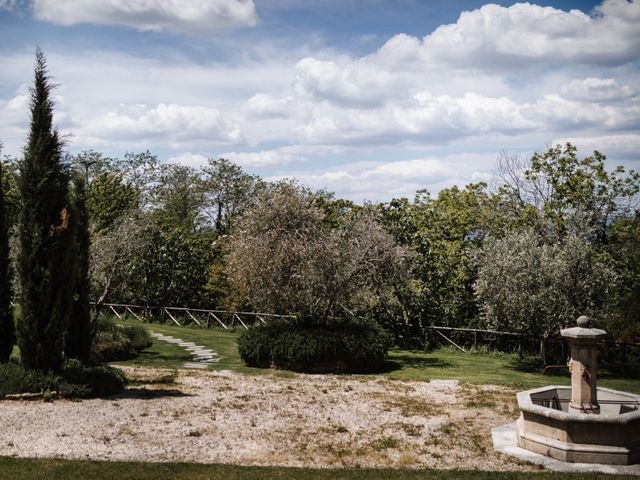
(286,258)
(527,284)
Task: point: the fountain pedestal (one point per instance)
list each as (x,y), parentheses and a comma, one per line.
(583,423)
(583,365)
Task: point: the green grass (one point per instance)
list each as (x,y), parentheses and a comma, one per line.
(45,469)
(446,363)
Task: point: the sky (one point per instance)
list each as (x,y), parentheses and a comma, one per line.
(370,99)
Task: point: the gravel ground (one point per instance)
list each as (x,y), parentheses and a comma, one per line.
(299,420)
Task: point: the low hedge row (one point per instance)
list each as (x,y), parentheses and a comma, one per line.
(355,346)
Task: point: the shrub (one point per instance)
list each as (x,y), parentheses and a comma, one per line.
(114,342)
(356,346)
(74,381)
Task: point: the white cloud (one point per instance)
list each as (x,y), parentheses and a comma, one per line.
(267,106)
(174,124)
(597,90)
(188,159)
(494,35)
(265,158)
(619,145)
(185,16)
(381,181)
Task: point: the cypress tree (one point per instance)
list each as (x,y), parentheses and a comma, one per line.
(45,235)
(7,329)
(79,332)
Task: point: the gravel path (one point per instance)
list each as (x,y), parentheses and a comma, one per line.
(299,420)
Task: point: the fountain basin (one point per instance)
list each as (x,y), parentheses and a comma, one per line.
(547,426)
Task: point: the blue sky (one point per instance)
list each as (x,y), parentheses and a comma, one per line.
(371,99)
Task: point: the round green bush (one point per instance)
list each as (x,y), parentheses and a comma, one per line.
(355,346)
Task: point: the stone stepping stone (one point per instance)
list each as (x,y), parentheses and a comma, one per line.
(199,366)
(202,356)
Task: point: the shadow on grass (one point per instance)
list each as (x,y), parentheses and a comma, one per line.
(140,393)
(400,361)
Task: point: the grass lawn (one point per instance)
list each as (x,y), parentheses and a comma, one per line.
(45,469)
(472,367)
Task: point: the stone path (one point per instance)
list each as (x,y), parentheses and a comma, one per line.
(202,357)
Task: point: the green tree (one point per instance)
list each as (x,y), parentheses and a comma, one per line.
(180,197)
(79,331)
(530,284)
(624,250)
(11,192)
(556,192)
(228,191)
(109,199)
(287,258)
(443,232)
(45,236)
(7,328)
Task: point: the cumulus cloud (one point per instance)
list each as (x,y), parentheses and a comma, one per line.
(621,145)
(597,90)
(493,35)
(382,181)
(188,159)
(267,106)
(490,39)
(184,16)
(265,158)
(174,124)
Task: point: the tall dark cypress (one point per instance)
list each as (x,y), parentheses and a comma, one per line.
(79,332)
(7,329)
(45,236)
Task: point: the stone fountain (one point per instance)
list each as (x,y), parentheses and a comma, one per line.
(581,423)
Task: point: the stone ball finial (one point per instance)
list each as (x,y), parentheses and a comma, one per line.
(583,321)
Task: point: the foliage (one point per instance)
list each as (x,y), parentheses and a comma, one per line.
(79,331)
(45,235)
(10,191)
(624,250)
(228,192)
(180,198)
(528,284)
(118,342)
(356,346)
(443,232)
(109,199)
(552,190)
(7,327)
(75,380)
(288,260)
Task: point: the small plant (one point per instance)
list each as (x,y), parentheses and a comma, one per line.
(385,443)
